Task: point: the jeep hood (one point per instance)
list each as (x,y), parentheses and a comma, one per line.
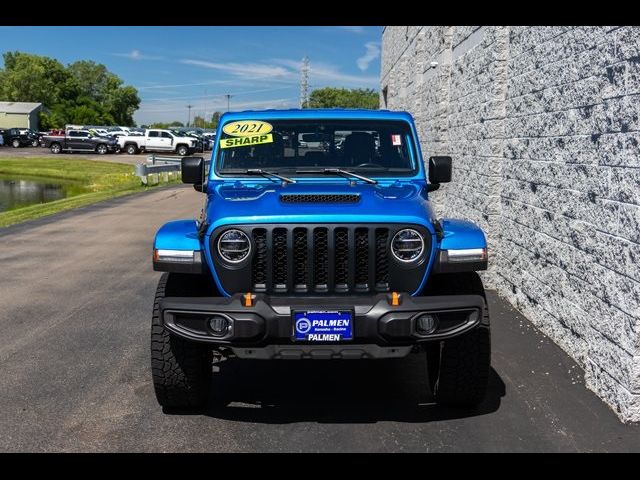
(246,203)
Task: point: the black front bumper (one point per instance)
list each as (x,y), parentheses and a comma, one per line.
(265,329)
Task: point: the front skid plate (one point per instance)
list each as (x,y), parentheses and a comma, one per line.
(321,352)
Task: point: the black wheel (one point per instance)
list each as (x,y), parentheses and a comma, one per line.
(131,149)
(15,143)
(35,143)
(55,148)
(182,150)
(181,369)
(101,149)
(458,368)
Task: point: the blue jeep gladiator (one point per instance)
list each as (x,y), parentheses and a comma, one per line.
(317,240)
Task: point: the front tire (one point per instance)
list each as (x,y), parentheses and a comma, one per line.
(182,150)
(101,149)
(181,370)
(35,143)
(55,148)
(15,143)
(459,367)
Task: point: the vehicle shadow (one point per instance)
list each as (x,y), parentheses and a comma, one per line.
(344,391)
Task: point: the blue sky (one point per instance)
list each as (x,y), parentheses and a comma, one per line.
(173,67)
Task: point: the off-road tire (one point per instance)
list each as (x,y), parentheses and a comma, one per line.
(131,149)
(182,150)
(181,369)
(55,148)
(459,367)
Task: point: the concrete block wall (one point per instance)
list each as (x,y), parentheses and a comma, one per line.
(543,126)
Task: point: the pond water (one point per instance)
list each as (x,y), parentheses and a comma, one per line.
(21,192)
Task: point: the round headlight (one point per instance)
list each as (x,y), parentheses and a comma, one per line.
(407,245)
(234,246)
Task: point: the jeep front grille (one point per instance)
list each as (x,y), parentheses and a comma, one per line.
(320,259)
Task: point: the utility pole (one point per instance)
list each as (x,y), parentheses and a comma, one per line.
(304,82)
(189,118)
(205,108)
(228,98)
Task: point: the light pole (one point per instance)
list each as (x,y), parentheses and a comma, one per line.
(228,98)
(189,117)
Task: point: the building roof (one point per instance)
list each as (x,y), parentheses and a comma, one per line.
(19,107)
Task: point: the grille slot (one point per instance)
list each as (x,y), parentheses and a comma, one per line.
(259,264)
(320,198)
(279,262)
(300,260)
(362,259)
(341,248)
(382,259)
(321,259)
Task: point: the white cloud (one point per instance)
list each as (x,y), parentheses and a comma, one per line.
(371,54)
(137,55)
(324,74)
(212,82)
(150,112)
(352,29)
(251,70)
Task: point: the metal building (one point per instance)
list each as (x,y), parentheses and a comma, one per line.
(19,115)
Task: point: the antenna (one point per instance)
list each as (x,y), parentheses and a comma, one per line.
(304,82)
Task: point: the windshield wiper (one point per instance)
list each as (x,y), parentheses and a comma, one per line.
(340,171)
(259,171)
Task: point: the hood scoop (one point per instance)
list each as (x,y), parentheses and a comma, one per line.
(298,198)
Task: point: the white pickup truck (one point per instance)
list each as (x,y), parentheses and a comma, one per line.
(155,140)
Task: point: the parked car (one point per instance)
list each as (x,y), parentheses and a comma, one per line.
(156,140)
(309,253)
(17,138)
(80,141)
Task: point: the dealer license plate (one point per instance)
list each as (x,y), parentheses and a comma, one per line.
(323,326)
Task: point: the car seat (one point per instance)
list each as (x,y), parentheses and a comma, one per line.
(359,147)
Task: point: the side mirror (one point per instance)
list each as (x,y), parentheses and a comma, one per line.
(193,171)
(439,170)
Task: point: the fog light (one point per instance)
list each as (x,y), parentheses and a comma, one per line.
(426,324)
(219,325)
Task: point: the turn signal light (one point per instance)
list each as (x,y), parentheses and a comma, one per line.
(395,299)
(248,299)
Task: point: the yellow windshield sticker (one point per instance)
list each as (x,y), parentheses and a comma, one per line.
(246,141)
(247,128)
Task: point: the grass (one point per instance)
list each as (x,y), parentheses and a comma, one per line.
(87,181)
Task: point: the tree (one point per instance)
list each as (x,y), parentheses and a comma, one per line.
(33,78)
(84,92)
(215,119)
(165,125)
(330,97)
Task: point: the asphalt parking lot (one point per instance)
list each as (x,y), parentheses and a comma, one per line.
(76,296)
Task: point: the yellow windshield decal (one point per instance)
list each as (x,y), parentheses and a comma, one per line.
(246,141)
(247,128)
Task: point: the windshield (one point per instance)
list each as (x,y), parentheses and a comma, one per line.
(293,146)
